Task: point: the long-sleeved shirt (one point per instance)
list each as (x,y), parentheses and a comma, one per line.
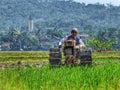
(77,39)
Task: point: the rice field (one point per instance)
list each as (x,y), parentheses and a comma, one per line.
(40,55)
(96,77)
(19,56)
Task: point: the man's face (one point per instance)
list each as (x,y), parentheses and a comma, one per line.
(74,34)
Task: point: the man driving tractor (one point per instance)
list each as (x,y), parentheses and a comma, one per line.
(74,37)
(78,43)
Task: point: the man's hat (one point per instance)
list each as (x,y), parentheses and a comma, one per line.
(74,30)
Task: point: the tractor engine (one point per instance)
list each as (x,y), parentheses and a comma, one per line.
(69,51)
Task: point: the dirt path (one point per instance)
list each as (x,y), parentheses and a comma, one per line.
(30,63)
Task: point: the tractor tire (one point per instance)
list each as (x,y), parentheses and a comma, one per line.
(85,57)
(55,57)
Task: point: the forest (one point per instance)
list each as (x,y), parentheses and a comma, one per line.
(101,22)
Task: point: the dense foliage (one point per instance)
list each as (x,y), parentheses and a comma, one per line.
(58,13)
(52,15)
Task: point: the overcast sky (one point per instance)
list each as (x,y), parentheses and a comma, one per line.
(114,2)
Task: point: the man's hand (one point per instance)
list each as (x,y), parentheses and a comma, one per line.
(60,46)
(80,47)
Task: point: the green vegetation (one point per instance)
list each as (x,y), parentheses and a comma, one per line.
(20,56)
(67,78)
(53,19)
(62,14)
(104,76)
(51,24)
(22,41)
(104,40)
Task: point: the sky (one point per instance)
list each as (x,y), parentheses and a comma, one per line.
(114,2)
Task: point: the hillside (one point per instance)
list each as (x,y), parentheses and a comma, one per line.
(53,19)
(60,14)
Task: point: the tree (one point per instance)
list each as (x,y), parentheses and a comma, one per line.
(101,45)
(55,33)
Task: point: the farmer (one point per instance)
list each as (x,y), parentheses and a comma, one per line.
(73,36)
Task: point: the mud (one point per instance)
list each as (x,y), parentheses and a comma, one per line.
(12,64)
(40,63)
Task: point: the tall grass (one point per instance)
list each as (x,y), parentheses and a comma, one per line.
(97,77)
(104,77)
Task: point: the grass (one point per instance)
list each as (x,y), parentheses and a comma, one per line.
(105,77)
(97,77)
(19,56)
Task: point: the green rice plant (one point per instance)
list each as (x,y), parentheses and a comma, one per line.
(101,77)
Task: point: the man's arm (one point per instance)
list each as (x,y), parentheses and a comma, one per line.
(81,42)
(62,41)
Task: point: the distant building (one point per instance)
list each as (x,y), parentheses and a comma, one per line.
(5,46)
(30,24)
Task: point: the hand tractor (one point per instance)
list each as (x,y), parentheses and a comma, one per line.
(74,55)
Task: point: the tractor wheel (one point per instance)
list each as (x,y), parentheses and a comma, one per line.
(85,57)
(55,57)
